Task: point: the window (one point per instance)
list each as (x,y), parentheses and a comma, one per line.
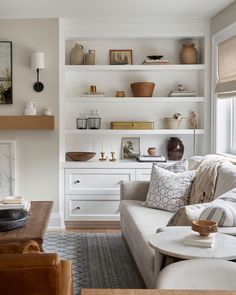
(233,126)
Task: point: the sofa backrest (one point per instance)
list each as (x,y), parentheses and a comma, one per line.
(226,179)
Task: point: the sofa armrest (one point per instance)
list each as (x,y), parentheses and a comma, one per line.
(134,190)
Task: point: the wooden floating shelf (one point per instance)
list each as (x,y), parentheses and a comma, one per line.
(26,122)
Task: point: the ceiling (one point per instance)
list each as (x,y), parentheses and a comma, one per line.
(117,9)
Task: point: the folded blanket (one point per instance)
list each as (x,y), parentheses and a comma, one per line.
(203,187)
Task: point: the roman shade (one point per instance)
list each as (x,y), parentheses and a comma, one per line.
(226,85)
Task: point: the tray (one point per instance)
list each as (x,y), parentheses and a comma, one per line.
(12,218)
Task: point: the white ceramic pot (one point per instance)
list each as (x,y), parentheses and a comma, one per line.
(172,123)
(30,109)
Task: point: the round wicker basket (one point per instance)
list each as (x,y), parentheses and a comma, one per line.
(142,89)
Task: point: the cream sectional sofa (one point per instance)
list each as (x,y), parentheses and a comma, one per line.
(139,223)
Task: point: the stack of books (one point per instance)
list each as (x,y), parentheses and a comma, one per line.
(156,62)
(185,93)
(200,241)
(147,158)
(14,202)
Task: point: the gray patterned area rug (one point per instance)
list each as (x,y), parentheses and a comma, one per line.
(99,260)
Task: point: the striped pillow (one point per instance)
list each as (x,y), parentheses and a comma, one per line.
(222,209)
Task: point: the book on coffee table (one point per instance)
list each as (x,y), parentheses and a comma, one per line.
(200,241)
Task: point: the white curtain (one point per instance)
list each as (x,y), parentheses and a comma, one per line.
(226,85)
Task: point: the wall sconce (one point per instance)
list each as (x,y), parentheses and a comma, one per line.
(37,63)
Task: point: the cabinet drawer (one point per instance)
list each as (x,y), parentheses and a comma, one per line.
(91,210)
(96,181)
(143,174)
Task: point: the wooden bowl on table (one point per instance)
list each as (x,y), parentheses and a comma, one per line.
(204,227)
(80,156)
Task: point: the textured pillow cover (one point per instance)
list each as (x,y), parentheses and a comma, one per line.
(222,210)
(169,191)
(177,167)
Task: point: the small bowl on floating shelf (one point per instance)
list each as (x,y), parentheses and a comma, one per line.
(204,227)
(80,156)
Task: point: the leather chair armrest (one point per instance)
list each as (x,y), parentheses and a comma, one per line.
(66,278)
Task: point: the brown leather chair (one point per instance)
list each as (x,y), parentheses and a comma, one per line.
(28,273)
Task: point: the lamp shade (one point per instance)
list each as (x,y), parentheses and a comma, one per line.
(37,60)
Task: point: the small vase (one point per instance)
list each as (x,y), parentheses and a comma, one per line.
(175,149)
(30,109)
(152,151)
(77,55)
(90,57)
(188,54)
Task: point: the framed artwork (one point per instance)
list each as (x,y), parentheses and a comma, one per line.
(5,72)
(121,57)
(130,147)
(7,168)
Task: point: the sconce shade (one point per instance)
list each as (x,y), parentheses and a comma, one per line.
(37,61)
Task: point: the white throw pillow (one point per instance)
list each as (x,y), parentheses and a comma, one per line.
(169,191)
(222,209)
(177,167)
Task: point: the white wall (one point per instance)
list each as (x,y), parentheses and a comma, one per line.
(37,152)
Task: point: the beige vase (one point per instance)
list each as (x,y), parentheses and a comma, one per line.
(77,55)
(188,54)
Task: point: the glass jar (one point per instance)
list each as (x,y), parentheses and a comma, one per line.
(81,121)
(94,120)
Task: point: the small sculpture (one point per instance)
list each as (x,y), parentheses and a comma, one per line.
(103,157)
(113,158)
(30,109)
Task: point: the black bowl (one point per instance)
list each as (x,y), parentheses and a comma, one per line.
(12,218)
(154,57)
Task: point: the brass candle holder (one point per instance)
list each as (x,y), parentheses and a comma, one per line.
(113,158)
(103,157)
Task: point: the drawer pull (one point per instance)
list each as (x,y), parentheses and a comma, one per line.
(77,181)
(78,208)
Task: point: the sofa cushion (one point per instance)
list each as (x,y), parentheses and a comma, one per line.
(222,210)
(226,179)
(169,191)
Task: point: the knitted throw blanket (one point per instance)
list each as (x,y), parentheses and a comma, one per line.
(203,187)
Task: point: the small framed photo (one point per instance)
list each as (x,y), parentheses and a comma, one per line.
(130,147)
(121,57)
(5,72)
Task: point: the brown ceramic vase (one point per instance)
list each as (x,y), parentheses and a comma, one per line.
(175,149)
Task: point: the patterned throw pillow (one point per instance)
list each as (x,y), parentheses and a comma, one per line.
(222,209)
(169,191)
(177,167)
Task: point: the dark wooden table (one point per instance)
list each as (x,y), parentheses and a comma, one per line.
(35,227)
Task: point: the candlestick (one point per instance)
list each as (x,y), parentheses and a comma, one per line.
(103,157)
(113,158)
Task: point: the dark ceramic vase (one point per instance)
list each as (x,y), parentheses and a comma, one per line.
(175,149)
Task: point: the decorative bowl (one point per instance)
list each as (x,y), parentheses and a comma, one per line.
(204,227)
(80,156)
(12,218)
(154,57)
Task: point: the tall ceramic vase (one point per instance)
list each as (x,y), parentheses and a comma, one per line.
(77,55)
(175,149)
(188,54)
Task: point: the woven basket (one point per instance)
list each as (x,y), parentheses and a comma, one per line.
(142,89)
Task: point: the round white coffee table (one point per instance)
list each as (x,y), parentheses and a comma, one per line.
(170,242)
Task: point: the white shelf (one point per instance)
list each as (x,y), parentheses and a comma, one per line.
(100,99)
(107,68)
(141,132)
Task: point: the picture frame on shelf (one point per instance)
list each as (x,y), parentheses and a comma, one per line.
(121,56)
(130,147)
(6,72)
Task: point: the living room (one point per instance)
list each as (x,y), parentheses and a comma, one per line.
(40,127)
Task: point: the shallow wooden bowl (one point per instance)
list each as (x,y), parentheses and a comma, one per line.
(204,227)
(80,156)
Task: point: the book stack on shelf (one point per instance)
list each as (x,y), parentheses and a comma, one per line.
(184,93)
(14,202)
(200,241)
(147,158)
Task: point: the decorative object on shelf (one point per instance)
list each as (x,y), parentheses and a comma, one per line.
(120,93)
(142,89)
(93,89)
(81,121)
(182,92)
(37,63)
(152,151)
(193,125)
(6,72)
(180,87)
(47,112)
(205,227)
(77,55)
(113,157)
(155,57)
(188,54)
(174,122)
(90,57)
(155,60)
(121,57)
(175,149)
(94,120)
(80,156)
(130,147)
(30,109)
(103,157)
(132,125)
(147,158)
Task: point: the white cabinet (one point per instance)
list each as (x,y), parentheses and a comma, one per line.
(143,174)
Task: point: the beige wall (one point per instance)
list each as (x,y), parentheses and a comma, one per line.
(37,152)
(224,18)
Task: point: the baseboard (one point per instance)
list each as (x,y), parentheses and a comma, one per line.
(55,221)
(92,224)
